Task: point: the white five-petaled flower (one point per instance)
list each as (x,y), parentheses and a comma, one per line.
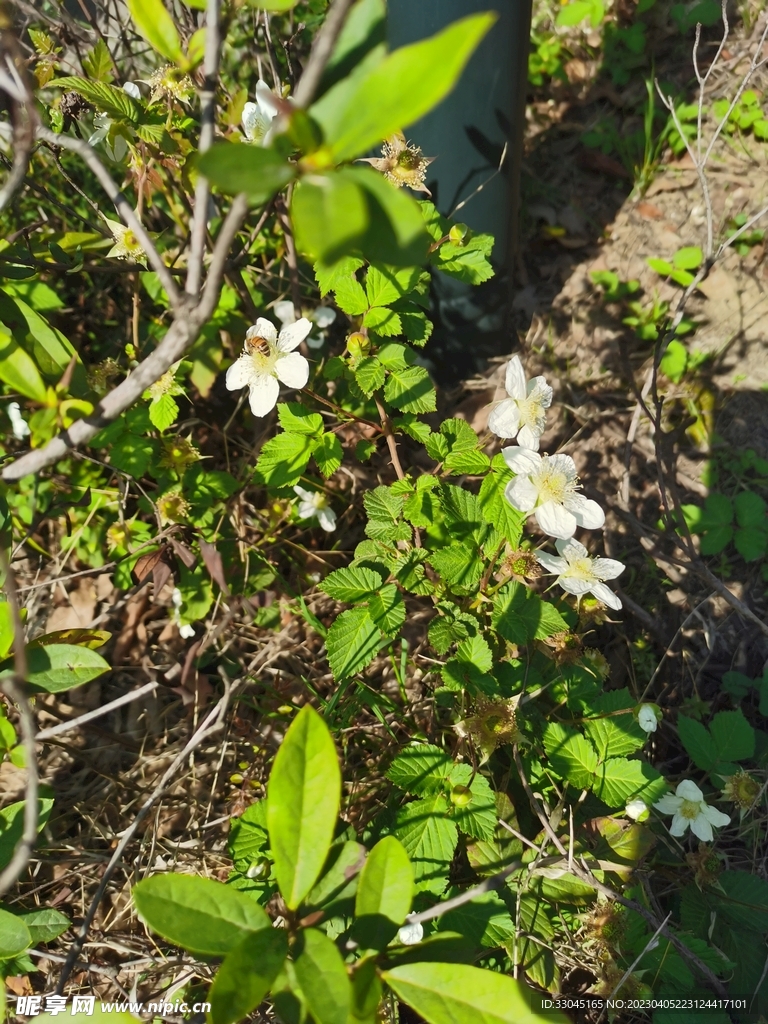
(315,503)
(127,246)
(579,573)
(547,487)
(690,809)
(523,415)
(647,718)
(321,317)
(268,358)
(636,809)
(411,933)
(258,117)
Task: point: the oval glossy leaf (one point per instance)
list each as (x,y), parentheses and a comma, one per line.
(45,924)
(92,638)
(60,667)
(384,894)
(448,993)
(360,112)
(323,978)
(330,215)
(247,975)
(18,370)
(156,25)
(303,797)
(15,937)
(12,824)
(237,167)
(199,914)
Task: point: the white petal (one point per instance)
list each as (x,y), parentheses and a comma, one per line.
(555,520)
(253,122)
(264,392)
(571,549)
(293,335)
(607,596)
(688,790)
(702,828)
(515,378)
(551,563)
(240,373)
(285,312)
(529,438)
(324,316)
(132,90)
(292,369)
(186,632)
(521,460)
(635,808)
(588,513)
(306,509)
(679,825)
(563,464)
(327,519)
(266,99)
(504,419)
(646,719)
(411,934)
(573,585)
(521,494)
(607,568)
(303,493)
(715,817)
(669,804)
(263,329)
(538,386)
(315,342)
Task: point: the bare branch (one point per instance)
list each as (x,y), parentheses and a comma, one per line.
(123,207)
(487,885)
(24,120)
(89,716)
(207,126)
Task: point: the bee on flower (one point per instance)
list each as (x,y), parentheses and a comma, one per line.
(268,359)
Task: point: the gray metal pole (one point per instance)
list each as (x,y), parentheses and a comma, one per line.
(482,120)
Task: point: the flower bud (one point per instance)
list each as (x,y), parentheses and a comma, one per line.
(461,796)
(648,717)
(259,869)
(358,345)
(459,234)
(410,934)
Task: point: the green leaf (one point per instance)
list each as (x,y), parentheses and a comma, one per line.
(238,167)
(429,838)
(619,779)
(15,937)
(105,97)
(751,544)
(323,978)
(203,916)
(247,975)
(163,412)
(370,375)
(688,258)
(715,539)
(58,667)
(478,818)
(12,824)
(304,793)
(330,276)
(297,419)
(385,285)
(384,894)
(362,110)
(156,25)
(733,736)
(459,993)
(97,63)
(383,321)
(495,508)
(354,583)
(570,755)
(18,370)
(283,459)
(387,609)
(96,1016)
(350,297)
(352,642)
(468,263)
(459,567)
(421,768)
(330,218)
(485,921)
(616,735)
(45,924)
(384,509)
(750,510)
(328,454)
(698,742)
(674,361)
(273,5)
(519,615)
(411,390)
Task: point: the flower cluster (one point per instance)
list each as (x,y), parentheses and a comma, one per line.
(547,488)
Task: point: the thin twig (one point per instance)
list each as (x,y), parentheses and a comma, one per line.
(322,48)
(487,885)
(89,716)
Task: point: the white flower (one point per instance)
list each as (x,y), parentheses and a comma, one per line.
(132,89)
(636,809)
(268,358)
(127,246)
(186,631)
(524,414)
(689,808)
(547,486)
(321,317)
(258,117)
(410,934)
(646,718)
(315,503)
(102,125)
(19,425)
(578,573)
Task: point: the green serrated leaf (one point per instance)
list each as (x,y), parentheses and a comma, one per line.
(698,742)
(571,755)
(387,609)
(296,418)
(163,412)
(519,615)
(370,375)
(429,838)
(354,583)
(411,390)
(383,321)
(421,768)
(352,642)
(330,276)
(105,97)
(328,454)
(619,779)
(283,459)
(97,63)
